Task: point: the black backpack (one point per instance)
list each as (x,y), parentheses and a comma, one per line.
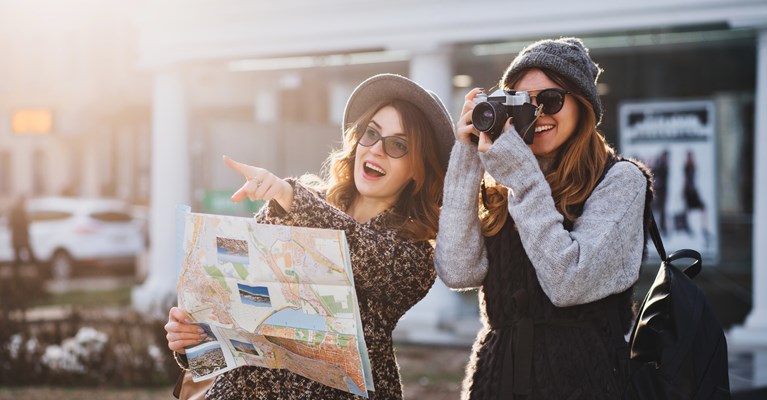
(677,347)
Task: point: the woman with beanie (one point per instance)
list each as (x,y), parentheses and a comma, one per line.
(557,244)
(384,190)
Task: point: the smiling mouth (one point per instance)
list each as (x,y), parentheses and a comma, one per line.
(543,128)
(373,170)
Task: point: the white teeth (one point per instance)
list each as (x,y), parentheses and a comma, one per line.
(375,168)
(543,128)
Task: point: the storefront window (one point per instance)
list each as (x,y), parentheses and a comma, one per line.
(713,65)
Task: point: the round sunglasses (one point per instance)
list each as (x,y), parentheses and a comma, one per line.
(552,99)
(393,146)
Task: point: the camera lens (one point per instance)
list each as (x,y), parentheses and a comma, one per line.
(489,117)
(485,120)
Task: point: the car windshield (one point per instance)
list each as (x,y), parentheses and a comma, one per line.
(48,215)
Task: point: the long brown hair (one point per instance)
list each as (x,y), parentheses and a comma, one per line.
(575,171)
(416,213)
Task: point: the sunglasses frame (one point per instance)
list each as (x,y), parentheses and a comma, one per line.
(560,91)
(384,139)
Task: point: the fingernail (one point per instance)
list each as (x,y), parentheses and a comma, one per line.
(187,321)
(203,336)
(200,330)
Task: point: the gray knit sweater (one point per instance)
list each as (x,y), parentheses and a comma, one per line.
(600,256)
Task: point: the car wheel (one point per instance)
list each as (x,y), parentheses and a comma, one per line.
(61,265)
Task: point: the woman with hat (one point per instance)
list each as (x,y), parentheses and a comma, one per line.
(384,189)
(559,238)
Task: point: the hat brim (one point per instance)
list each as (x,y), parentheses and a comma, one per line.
(392,86)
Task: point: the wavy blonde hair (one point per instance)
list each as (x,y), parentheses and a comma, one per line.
(416,213)
(575,171)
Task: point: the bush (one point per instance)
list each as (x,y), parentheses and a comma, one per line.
(86,350)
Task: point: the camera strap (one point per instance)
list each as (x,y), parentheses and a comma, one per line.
(526,131)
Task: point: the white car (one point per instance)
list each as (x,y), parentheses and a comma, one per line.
(66,231)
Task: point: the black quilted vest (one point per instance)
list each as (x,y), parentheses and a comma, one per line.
(532,349)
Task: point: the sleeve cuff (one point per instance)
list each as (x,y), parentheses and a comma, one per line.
(463,176)
(511,162)
(273,213)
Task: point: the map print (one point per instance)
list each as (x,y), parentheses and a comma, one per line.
(272,296)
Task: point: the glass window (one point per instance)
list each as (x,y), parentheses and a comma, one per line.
(48,215)
(111,216)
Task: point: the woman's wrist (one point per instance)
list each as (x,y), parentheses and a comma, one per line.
(285,197)
(181,360)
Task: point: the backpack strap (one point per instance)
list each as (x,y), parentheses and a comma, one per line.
(693,269)
(655,235)
(618,344)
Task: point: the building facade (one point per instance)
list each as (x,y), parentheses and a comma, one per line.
(266,83)
(74,110)
(179,83)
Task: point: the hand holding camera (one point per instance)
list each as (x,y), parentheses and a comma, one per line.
(491,113)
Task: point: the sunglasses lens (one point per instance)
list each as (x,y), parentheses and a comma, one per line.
(552,100)
(395,147)
(369,137)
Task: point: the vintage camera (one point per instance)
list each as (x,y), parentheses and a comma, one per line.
(491,113)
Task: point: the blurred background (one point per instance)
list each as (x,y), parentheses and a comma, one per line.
(113,112)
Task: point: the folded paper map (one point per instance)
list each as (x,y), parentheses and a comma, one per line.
(271,296)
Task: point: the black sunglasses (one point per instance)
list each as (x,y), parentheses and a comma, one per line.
(393,146)
(551,99)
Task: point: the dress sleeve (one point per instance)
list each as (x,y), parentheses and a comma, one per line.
(460,257)
(393,272)
(386,266)
(602,254)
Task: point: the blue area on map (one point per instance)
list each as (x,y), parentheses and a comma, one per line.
(225,256)
(296,319)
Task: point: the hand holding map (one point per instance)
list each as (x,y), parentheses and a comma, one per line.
(181,332)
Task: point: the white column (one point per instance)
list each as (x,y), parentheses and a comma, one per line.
(91,184)
(432,68)
(754,332)
(126,162)
(442,316)
(21,165)
(339,93)
(169,187)
(266,106)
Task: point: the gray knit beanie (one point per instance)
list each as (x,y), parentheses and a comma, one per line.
(566,57)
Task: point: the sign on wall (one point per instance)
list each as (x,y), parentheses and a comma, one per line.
(676,139)
(32,121)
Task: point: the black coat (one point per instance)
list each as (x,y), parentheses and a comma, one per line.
(531,349)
